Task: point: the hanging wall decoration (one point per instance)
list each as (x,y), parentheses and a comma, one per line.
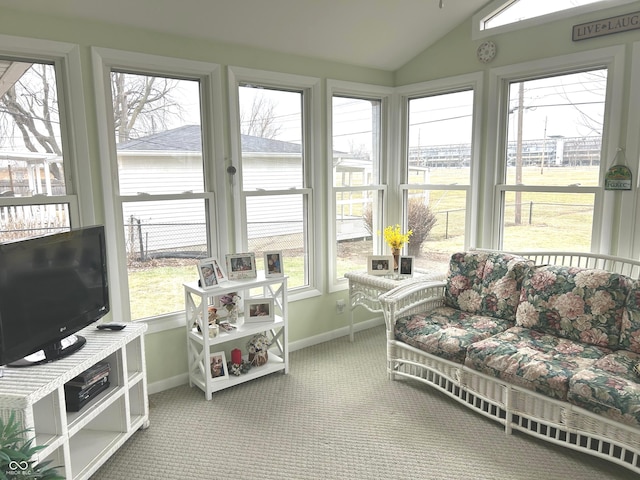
(619,176)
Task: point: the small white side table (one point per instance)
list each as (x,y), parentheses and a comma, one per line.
(364,289)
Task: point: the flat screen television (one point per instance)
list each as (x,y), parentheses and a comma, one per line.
(50,288)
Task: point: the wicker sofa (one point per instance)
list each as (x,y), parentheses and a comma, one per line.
(544,343)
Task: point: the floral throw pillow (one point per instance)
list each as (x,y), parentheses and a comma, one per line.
(630,331)
(486,283)
(584,305)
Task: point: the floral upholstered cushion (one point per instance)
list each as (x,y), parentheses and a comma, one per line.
(630,331)
(610,388)
(485,283)
(447,332)
(585,305)
(531,359)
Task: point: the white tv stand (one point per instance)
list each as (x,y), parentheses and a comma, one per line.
(78,443)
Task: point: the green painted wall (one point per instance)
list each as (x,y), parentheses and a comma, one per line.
(455,54)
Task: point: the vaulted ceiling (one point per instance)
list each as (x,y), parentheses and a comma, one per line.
(382,34)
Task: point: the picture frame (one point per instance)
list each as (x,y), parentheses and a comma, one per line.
(207,272)
(379,264)
(258,310)
(405,266)
(221,306)
(218,366)
(220,275)
(273,266)
(241,265)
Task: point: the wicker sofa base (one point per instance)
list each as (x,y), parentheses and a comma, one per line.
(519,409)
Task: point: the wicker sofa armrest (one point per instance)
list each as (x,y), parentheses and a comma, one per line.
(408,299)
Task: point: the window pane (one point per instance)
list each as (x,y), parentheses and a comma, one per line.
(271,136)
(548,221)
(356,147)
(357,222)
(276,222)
(437,219)
(31,160)
(158,134)
(158,138)
(19,222)
(525,9)
(356,142)
(440,129)
(272,140)
(555,129)
(164,239)
(440,133)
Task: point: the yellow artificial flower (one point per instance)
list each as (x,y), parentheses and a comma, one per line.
(395,238)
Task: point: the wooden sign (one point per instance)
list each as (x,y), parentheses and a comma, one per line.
(607,26)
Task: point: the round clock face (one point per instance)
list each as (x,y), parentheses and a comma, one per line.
(486,51)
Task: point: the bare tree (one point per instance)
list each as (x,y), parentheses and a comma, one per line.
(259,121)
(142,104)
(33,106)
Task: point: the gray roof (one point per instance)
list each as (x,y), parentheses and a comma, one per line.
(188,139)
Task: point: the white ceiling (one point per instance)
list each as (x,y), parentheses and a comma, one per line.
(382,34)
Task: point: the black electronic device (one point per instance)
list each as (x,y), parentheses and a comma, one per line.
(111,326)
(50,288)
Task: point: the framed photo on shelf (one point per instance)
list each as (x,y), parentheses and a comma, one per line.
(273,264)
(258,310)
(379,264)
(405,266)
(220,275)
(207,271)
(241,265)
(218,366)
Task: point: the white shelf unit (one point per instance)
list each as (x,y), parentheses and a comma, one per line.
(78,443)
(200,346)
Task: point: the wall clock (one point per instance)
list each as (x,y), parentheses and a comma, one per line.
(486,51)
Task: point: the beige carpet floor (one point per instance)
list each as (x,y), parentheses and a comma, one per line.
(336,415)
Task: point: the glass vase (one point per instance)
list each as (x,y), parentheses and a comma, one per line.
(233,315)
(396,258)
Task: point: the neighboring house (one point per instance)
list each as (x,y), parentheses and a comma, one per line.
(152,164)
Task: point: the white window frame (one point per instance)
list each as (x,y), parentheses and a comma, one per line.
(65,58)
(472,82)
(629,233)
(477,25)
(104,61)
(367,92)
(604,203)
(311,87)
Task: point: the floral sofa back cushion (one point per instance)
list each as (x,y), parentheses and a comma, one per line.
(630,331)
(486,283)
(584,305)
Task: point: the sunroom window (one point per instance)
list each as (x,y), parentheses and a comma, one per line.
(438,184)
(35,196)
(275,201)
(162,195)
(506,15)
(552,161)
(357,189)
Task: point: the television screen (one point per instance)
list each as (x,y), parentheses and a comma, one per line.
(50,287)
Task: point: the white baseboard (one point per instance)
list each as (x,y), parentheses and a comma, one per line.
(167,383)
(332,335)
(183,378)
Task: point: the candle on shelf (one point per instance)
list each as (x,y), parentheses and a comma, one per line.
(236,356)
